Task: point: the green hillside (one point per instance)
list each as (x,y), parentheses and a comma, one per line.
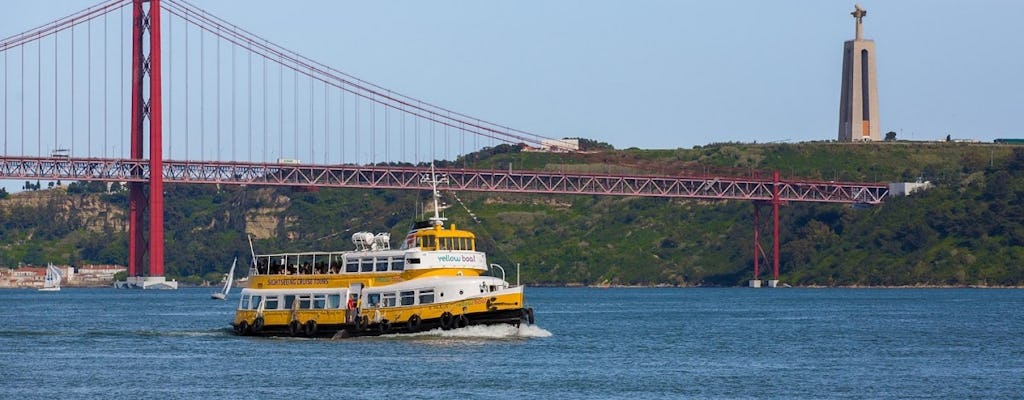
(968,230)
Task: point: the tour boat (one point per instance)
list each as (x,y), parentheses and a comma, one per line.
(435,279)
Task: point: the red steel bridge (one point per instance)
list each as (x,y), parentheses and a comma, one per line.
(84,97)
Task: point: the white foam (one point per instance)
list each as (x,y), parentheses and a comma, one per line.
(500,331)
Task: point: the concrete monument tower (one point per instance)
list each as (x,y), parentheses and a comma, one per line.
(858,104)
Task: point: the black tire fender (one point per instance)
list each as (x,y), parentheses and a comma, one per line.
(413,324)
(446,320)
(242,328)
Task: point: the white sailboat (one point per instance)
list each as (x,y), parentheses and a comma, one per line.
(52,282)
(222,295)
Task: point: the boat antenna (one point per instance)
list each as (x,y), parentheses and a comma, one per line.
(433,179)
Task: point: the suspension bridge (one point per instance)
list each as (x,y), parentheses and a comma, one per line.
(161,91)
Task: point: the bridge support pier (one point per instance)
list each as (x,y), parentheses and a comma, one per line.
(758,250)
(143,22)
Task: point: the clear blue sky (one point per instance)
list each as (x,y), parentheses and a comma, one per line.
(656,74)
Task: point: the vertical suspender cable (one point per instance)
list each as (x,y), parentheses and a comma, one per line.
(105,131)
(327,124)
(403,115)
(373,129)
(217,82)
(416,139)
(39,97)
(280,103)
(341,143)
(248,91)
(56,145)
(266,121)
(234,109)
(295,113)
(5,102)
(355,99)
(88,91)
(311,159)
(188,97)
(22,103)
(202,94)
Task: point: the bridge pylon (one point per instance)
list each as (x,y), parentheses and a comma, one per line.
(146,63)
(759,252)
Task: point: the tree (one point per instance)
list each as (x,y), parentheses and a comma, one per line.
(3,193)
(890,136)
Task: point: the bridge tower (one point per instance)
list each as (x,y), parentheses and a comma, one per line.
(858,104)
(146,25)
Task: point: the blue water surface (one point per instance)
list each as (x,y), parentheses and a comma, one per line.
(588,343)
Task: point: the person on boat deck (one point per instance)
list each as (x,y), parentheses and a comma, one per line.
(352,302)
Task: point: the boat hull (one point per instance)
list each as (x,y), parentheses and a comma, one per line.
(514,317)
(502,307)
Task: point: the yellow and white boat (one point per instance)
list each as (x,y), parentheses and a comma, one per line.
(436,279)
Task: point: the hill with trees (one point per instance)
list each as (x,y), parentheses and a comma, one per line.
(967,230)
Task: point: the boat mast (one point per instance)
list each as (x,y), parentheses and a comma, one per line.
(437,219)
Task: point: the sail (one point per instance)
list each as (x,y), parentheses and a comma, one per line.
(228,280)
(52,280)
(231,277)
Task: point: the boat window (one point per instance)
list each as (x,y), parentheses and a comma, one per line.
(398,264)
(366,264)
(304,302)
(289,300)
(426,296)
(388,299)
(427,243)
(351,265)
(334,300)
(319,301)
(382,264)
(414,261)
(408,298)
(256,302)
(271,303)
(373,299)
(243,304)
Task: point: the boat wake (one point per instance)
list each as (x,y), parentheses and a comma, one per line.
(484,332)
(491,332)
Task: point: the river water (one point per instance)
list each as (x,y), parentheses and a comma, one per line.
(588,343)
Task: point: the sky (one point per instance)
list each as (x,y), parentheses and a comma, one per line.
(656,74)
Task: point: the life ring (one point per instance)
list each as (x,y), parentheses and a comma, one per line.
(446,320)
(294,327)
(413,324)
(310,328)
(257,324)
(361,323)
(462,321)
(529,315)
(242,328)
(384,326)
